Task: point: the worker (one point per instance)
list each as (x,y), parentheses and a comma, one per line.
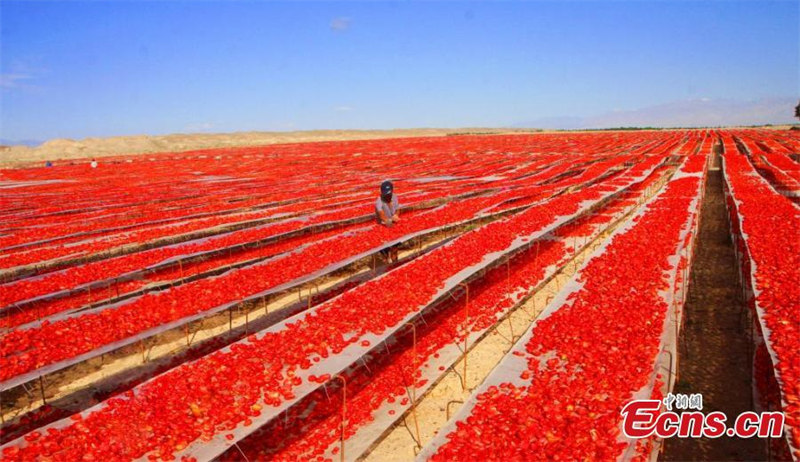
(387,213)
(94,163)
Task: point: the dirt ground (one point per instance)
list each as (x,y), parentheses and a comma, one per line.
(716,357)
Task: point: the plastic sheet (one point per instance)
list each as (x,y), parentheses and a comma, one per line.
(666,365)
(10,184)
(434,179)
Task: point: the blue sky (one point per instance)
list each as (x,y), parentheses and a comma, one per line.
(73,69)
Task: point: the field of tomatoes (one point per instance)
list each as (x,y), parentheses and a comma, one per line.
(92,259)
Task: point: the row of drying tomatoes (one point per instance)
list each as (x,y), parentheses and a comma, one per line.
(115,216)
(769,224)
(82,245)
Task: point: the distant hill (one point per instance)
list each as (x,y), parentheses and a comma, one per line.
(698,112)
(118,145)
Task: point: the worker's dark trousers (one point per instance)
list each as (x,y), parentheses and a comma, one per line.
(385,252)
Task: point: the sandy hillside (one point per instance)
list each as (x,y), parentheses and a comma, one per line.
(99,147)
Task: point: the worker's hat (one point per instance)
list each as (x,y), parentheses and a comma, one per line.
(387,188)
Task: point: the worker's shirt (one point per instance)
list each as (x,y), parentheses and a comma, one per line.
(388,209)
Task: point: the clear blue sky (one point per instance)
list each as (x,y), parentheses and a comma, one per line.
(72,69)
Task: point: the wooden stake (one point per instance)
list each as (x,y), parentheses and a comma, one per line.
(466,333)
(41,387)
(344,414)
(142,348)
(414,380)
(677,333)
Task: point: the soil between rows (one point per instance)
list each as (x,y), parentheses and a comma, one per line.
(716,356)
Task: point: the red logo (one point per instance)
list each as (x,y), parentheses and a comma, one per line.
(644,418)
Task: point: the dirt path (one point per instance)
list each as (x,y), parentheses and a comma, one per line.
(716,358)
